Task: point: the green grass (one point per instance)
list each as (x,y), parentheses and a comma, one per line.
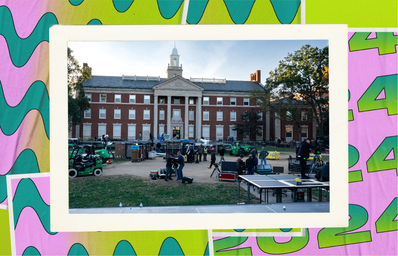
(109,191)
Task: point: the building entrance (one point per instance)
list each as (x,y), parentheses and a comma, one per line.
(176,132)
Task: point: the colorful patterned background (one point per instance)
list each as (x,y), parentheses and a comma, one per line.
(25,134)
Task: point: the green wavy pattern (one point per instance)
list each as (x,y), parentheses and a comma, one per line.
(122,5)
(239,10)
(31,251)
(78,249)
(170,246)
(21,49)
(124,248)
(35,98)
(25,163)
(27,195)
(168,8)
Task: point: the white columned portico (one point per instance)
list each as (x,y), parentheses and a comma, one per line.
(186,133)
(155,116)
(169,131)
(199,118)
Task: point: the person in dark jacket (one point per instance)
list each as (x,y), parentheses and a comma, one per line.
(212,158)
(303,154)
(180,160)
(240,164)
(250,165)
(222,151)
(169,164)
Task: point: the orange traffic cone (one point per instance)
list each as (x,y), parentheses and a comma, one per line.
(109,161)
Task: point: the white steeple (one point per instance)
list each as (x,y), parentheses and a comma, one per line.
(174,67)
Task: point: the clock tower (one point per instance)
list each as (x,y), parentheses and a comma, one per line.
(174,68)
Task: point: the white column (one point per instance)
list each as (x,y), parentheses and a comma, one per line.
(186,121)
(199,118)
(169,116)
(155,117)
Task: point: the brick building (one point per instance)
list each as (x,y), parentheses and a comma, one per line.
(133,107)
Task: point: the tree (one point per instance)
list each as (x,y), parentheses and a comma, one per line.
(250,124)
(301,76)
(77,101)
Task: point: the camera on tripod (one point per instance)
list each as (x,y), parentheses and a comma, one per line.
(317,150)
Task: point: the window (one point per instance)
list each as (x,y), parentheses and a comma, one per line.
(233,101)
(304,116)
(219,132)
(117,113)
(288,115)
(131,132)
(87,113)
(259,101)
(176,100)
(103,98)
(147,114)
(245,101)
(232,132)
(86,131)
(206,101)
(118,98)
(304,131)
(102,113)
(161,114)
(260,116)
(131,113)
(147,99)
(289,132)
(176,114)
(206,132)
(146,129)
(132,99)
(191,101)
(161,129)
(205,115)
(233,116)
(260,135)
(101,130)
(88,96)
(190,131)
(191,115)
(117,131)
(219,115)
(161,101)
(219,100)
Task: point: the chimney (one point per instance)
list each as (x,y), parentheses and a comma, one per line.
(256,77)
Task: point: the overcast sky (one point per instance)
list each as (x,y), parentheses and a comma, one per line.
(233,60)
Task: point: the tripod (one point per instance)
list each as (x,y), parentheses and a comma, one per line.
(216,170)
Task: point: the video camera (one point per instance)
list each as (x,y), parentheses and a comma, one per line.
(317,150)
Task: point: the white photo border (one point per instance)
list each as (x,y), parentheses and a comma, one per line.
(63,221)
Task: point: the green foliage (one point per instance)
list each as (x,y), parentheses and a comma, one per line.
(77,101)
(301,78)
(250,124)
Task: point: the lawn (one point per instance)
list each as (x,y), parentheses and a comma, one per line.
(109,191)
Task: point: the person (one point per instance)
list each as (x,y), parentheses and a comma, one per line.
(180,161)
(190,155)
(255,163)
(169,164)
(253,152)
(205,149)
(158,146)
(303,154)
(212,158)
(263,156)
(222,151)
(250,165)
(200,150)
(240,164)
(140,136)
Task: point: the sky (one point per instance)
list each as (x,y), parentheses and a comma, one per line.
(232,60)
